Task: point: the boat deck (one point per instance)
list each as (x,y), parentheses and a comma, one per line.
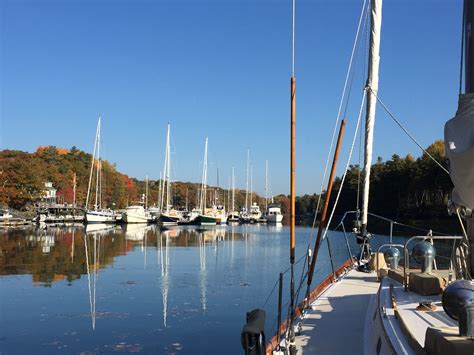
(335,325)
(416,322)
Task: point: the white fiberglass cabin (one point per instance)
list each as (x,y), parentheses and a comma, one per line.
(136,214)
(273,214)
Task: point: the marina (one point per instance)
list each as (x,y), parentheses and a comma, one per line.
(94,259)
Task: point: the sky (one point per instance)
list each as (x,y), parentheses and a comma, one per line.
(219,69)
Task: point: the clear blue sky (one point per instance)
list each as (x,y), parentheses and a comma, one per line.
(219,69)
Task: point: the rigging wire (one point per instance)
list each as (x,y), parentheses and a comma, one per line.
(346,82)
(406,131)
(271,293)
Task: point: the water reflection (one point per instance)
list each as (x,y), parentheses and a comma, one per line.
(202,271)
(104,282)
(165,262)
(95,237)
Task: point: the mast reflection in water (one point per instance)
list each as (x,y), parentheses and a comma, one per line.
(95,289)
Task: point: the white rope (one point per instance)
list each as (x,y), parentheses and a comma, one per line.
(347,165)
(406,131)
(356,40)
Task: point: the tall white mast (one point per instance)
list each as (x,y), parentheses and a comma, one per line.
(202,199)
(266,185)
(372,88)
(251,184)
(233,189)
(168,170)
(96,206)
(247,183)
(228,193)
(74,193)
(164,185)
(146,191)
(92,165)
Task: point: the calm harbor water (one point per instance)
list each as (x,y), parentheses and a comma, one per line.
(100,289)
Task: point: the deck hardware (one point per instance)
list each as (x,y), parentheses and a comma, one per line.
(426,306)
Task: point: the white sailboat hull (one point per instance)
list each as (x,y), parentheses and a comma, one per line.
(99,217)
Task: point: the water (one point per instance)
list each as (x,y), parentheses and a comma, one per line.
(138,289)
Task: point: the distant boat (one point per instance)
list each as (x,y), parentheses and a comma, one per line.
(273,214)
(169,217)
(255,214)
(97,214)
(189,217)
(135,214)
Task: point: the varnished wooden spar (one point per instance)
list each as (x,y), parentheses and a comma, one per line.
(322,221)
(292,170)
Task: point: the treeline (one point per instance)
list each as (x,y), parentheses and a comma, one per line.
(22,178)
(402,187)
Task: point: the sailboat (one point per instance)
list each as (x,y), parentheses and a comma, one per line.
(168,216)
(377,306)
(233,215)
(97,214)
(206,216)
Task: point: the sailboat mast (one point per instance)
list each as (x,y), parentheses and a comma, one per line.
(92,165)
(372,88)
(164,184)
(216,193)
(228,194)
(187,194)
(146,191)
(168,169)
(205,178)
(247,183)
(266,185)
(74,193)
(251,184)
(233,189)
(469,47)
(202,198)
(292,177)
(96,206)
